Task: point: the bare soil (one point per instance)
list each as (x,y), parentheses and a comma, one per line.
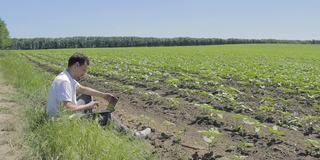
(11,124)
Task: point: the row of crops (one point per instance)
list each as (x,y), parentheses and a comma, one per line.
(265,90)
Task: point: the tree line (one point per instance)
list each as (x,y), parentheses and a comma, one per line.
(101,42)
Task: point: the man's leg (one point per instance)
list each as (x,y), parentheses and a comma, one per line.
(84,99)
(106,116)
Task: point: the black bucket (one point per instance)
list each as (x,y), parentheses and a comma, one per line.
(104,117)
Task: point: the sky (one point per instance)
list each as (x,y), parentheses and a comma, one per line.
(252,19)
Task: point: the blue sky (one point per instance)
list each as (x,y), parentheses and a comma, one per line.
(280,19)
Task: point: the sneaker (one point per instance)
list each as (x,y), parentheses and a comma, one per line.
(143,134)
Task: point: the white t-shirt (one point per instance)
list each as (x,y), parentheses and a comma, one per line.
(63,88)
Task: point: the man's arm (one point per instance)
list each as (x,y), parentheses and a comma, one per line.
(73,107)
(90,91)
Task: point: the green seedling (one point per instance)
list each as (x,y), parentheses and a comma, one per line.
(4,110)
(209,136)
(313,143)
(235,157)
(242,130)
(209,109)
(168,125)
(179,133)
(205,107)
(173,102)
(147,120)
(173,82)
(275,131)
(200,92)
(244,144)
(150,95)
(266,108)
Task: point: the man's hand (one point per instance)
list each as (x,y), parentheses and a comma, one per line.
(109,97)
(74,107)
(94,104)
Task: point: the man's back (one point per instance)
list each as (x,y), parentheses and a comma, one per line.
(63,88)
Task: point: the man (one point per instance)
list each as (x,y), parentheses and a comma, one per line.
(65,87)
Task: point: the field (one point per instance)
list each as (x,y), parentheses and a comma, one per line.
(209,102)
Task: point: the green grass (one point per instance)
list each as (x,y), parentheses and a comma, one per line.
(4,110)
(63,138)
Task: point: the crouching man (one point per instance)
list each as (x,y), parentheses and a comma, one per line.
(65,87)
(64,90)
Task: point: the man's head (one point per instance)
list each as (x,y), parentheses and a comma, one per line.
(77,64)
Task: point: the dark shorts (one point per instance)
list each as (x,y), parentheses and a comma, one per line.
(102,116)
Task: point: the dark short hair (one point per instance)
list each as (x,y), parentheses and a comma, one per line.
(78,57)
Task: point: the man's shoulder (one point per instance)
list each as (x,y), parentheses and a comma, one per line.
(64,78)
(61,78)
